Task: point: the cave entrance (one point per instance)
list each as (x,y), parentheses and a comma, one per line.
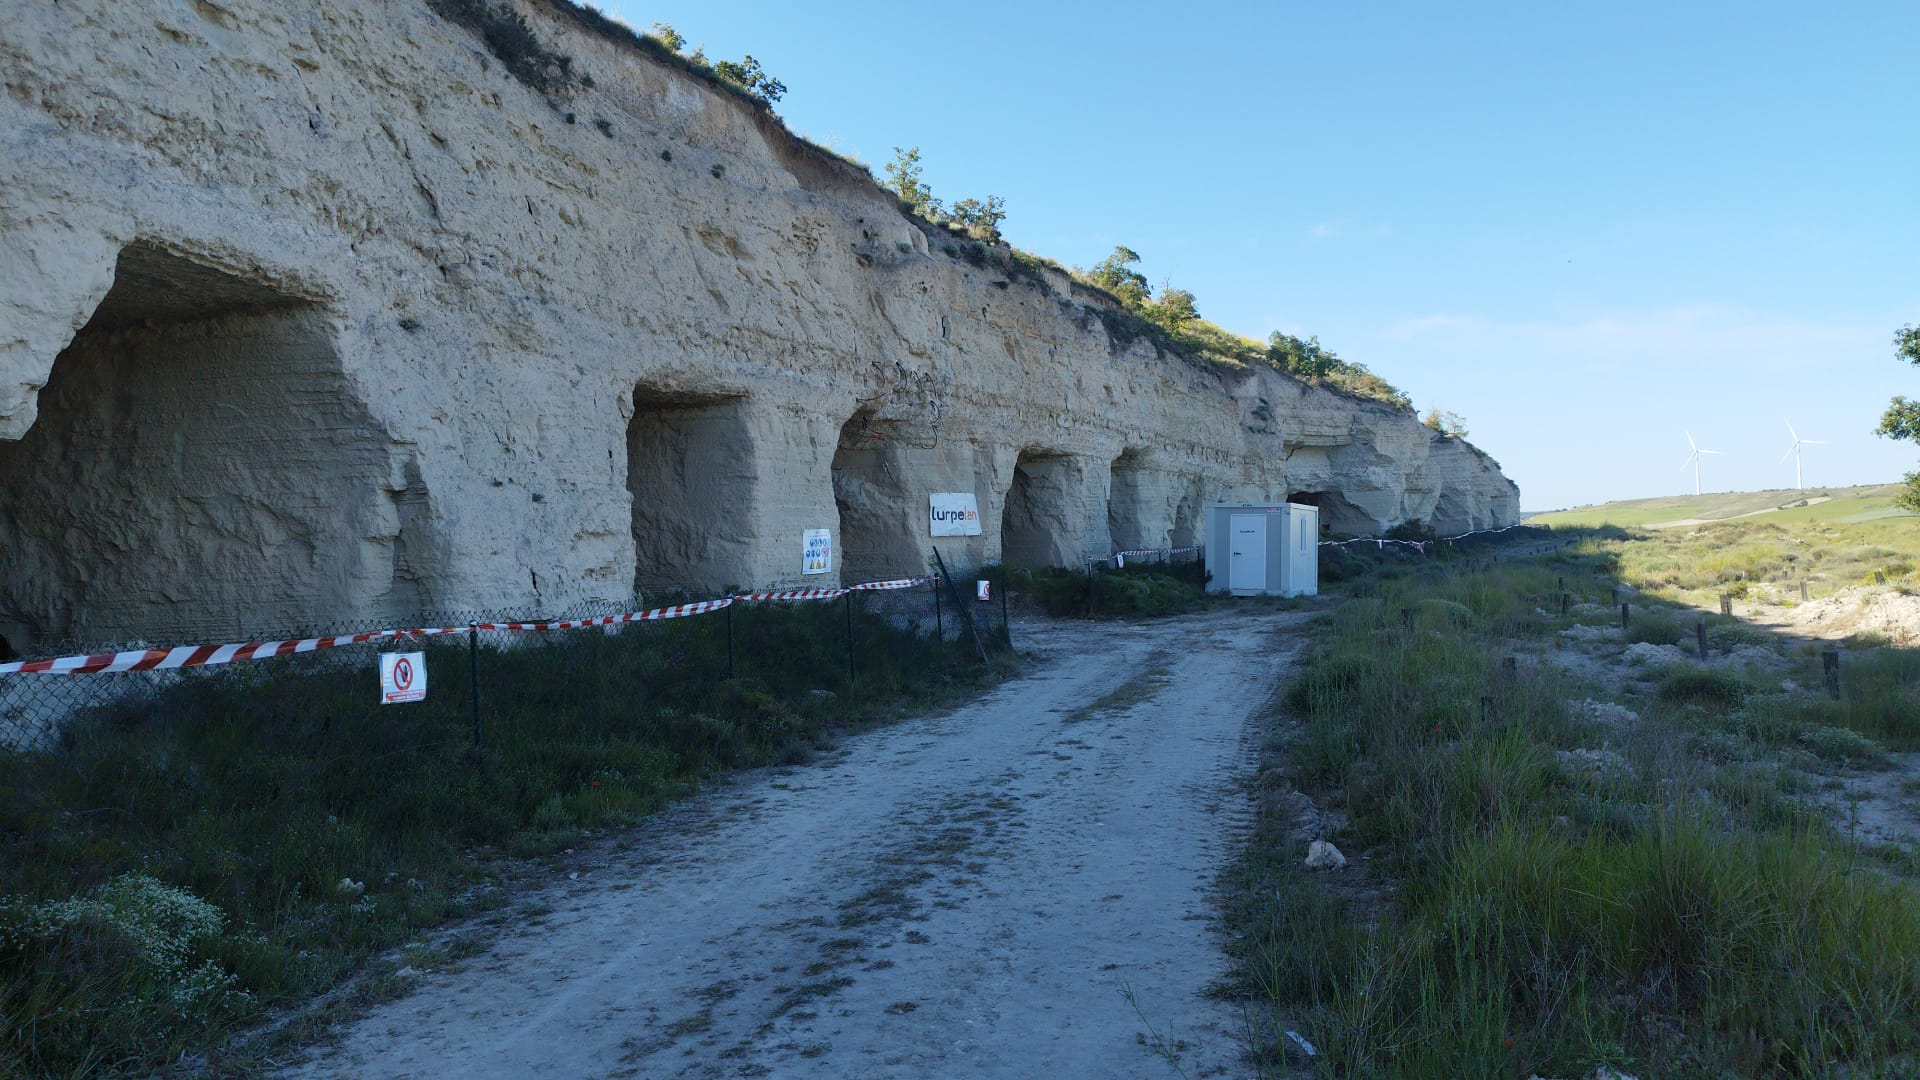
(690,471)
(1034,525)
(1186,518)
(878,539)
(1337,515)
(199,466)
(1128,494)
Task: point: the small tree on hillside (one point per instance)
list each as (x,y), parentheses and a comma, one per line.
(747,74)
(981,217)
(1902,418)
(1116,274)
(1173,309)
(903,176)
(1449,424)
(1309,357)
(668,36)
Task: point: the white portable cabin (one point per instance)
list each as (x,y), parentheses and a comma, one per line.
(1263,549)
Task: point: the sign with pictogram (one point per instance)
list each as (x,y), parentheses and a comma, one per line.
(403,677)
(818,555)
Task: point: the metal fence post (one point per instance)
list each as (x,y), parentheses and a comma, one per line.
(473,675)
(939,627)
(850,671)
(1006,628)
(729,610)
(960,606)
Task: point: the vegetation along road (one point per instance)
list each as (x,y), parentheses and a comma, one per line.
(1019,887)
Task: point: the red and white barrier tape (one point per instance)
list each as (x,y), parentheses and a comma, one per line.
(829,594)
(1422,545)
(1120,557)
(675,612)
(898,583)
(186,656)
(794,594)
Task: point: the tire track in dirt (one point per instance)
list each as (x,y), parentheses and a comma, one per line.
(977,893)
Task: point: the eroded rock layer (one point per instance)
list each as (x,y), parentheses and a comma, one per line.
(310,312)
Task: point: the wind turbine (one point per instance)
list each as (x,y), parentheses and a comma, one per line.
(1693,459)
(1794,453)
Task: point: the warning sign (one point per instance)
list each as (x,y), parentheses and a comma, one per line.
(403,677)
(819,552)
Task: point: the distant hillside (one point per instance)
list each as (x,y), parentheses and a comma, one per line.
(1864,503)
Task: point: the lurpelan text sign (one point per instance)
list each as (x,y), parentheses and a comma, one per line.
(953,513)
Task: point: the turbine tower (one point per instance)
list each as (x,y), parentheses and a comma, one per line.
(1794,453)
(1693,459)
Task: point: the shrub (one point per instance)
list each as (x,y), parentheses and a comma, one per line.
(1702,686)
(512,41)
(1656,627)
(1109,595)
(129,957)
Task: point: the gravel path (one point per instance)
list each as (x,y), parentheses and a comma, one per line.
(1018,888)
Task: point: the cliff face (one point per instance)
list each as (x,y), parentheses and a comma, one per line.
(309,311)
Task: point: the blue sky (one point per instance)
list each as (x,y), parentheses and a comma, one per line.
(1584,231)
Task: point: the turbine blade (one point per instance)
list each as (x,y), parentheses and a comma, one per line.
(1709,451)
(1690,460)
(1790,431)
(1790,451)
(1813,442)
(1690,443)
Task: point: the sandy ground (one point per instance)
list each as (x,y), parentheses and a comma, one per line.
(1874,804)
(1019,888)
(1858,609)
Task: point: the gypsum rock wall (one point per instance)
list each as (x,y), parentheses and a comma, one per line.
(315,312)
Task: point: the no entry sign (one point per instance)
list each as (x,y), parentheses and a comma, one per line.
(403,677)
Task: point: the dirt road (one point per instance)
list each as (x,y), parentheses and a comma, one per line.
(1016,889)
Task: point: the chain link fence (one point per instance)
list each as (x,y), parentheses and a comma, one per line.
(504,676)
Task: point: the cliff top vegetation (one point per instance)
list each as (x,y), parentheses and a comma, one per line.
(968,229)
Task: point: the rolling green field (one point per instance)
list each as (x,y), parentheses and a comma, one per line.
(1867,503)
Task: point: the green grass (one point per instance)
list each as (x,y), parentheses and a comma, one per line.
(1771,558)
(1131,593)
(1865,503)
(322,828)
(1510,914)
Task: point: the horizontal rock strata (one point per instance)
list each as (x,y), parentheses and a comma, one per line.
(315,311)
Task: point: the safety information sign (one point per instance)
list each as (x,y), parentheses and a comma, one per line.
(403,677)
(819,552)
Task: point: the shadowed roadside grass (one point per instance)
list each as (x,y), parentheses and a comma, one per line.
(270,827)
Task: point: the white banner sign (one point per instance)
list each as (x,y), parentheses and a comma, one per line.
(953,513)
(818,558)
(403,677)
